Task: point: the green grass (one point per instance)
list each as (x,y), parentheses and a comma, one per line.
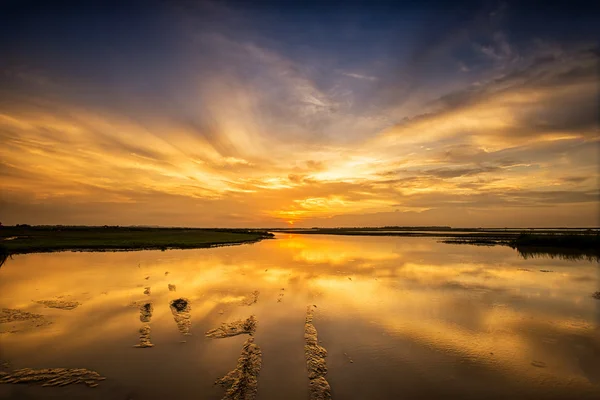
(562,240)
(38,239)
(571,246)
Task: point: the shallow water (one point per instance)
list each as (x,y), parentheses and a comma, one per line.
(400,317)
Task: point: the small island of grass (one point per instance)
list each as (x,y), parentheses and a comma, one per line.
(22,239)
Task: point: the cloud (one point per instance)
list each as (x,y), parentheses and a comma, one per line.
(359,76)
(575,179)
(232,126)
(499,50)
(541,101)
(457,172)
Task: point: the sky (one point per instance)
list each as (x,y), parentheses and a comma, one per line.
(278,114)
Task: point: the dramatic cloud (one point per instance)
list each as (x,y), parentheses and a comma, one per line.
(217,114)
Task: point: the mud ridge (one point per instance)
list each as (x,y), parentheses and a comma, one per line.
(146,311)
(53,376)
(242,382)
(144,337)
(252,298)
(180,308)
(60,304)
(12,315)
(315,360)
(8,315)
(239,327)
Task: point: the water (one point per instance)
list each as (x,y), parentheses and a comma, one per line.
(400,317)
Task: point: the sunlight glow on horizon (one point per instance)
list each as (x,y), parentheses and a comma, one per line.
(237,128)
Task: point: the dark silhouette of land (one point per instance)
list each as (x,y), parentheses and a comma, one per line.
(40,239)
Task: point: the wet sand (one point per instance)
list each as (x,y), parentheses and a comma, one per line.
(14,321)
(60,304)
(146,310)
(242,382)
(250,299)
(315,360)
(181,309)
(234,328)
(144,337)
(52,377)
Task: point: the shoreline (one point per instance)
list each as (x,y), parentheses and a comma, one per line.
(27,240)
(104,249)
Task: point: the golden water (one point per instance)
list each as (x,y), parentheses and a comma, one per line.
(400,317)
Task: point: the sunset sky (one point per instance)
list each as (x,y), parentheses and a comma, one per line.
(273,114)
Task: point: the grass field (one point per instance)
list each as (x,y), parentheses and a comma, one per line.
(36,239)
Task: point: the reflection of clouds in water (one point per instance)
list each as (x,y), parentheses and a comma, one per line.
(583,278)
(464,328)
(463,301)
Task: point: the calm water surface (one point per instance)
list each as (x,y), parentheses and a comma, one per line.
(400,317)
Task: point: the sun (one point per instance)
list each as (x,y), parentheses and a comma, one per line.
(291,222)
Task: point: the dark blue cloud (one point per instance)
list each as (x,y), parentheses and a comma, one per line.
(367,56)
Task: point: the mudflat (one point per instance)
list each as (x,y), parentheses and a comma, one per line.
(38,239)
